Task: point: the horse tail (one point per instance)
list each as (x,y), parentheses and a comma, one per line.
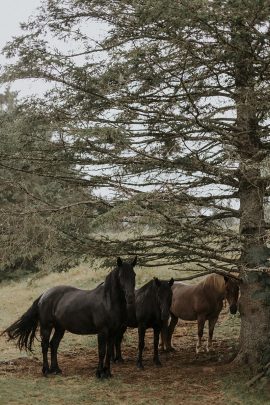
(24,329)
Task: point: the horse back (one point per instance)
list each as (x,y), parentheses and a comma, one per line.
(147,310)
(76,310)
(189,301)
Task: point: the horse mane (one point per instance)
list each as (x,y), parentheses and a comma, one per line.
(109,281)
(146,286)
(215,281)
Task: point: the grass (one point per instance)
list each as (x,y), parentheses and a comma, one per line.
(70,390)
(236,392)
(182,379)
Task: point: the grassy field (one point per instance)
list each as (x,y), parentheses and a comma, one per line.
(184,378)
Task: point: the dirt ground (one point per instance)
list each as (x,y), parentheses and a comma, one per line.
(184,378)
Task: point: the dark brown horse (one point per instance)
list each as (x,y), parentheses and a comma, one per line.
(151,310)
(202,302)
(101,311)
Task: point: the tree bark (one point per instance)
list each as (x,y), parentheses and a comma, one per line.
(255,320)
(253,306)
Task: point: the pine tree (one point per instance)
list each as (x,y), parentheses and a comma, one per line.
(171,111)
(44,216)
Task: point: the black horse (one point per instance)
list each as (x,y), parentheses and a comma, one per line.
(101,311)
(151,310)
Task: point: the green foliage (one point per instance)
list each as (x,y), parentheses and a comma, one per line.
(42,211)
(169,111)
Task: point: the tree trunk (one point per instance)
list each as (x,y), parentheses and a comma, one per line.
(255,320)
(254,306)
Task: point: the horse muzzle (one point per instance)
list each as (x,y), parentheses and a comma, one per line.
(233,309)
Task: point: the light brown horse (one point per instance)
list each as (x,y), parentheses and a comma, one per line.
(201,302)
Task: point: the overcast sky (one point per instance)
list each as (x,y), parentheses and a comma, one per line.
(12,13)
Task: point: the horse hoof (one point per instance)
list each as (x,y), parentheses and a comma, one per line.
(120,360)
(101,375)
(45,372)
(198,350)
(107,373)
(170,350)
(140,366)
(209,349)
(55,371)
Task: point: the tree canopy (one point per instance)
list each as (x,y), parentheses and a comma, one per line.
(167,118)
(42,215)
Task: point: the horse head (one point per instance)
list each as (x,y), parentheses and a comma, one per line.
(231,293)
(126,276)
(164,296)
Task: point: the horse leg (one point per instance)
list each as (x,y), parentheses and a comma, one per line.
(118,353)
(156,340)
(109,346)
(168,341)
(141,332)
(102,338)
(163,339)
(45,339)
(211,325)
(113,358)
(54,344)
(201,322)
(164,335)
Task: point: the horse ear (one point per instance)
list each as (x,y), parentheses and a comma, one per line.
(157,282)
(171,281)
(119,261)
(226,279)
(134,261)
